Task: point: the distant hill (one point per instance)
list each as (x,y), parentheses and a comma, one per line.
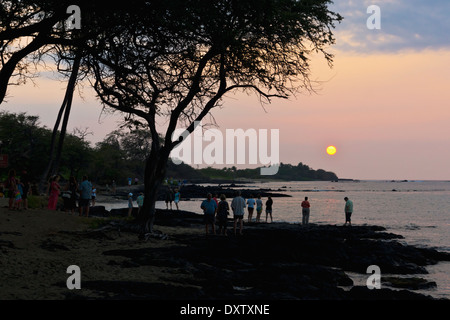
(286,172)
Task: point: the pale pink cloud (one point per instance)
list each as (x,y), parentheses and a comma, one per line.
(386,113)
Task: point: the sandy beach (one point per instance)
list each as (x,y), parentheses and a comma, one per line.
(37,246)
(277,261)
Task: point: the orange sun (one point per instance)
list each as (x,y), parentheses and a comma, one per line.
(331,150)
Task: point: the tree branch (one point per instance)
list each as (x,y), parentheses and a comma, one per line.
(195,87)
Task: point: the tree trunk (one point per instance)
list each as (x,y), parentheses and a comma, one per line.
(155,171)
(53,164)
(69,98)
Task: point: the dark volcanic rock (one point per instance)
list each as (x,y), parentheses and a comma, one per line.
(53,246)
(279,261)
(194,191)
(363,293)
(411,283)
(98,211)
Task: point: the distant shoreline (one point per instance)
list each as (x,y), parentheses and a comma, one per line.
(189,191)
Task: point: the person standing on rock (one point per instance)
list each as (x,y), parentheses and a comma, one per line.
(259,208)
(222,214)
(130,204)
(169,198)
(140,202)
(238,206)
(348,211)
(177,196)
(209,207)
(305,211)
(250,207)
(11,185)
(269,204)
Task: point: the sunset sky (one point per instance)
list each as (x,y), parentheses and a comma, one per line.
(385,104)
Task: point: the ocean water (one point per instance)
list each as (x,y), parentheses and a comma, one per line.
(417,210)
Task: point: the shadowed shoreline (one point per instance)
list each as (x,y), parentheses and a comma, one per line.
(276,261)
(270,261)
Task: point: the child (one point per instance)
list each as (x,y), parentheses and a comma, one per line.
(250,207)
(209,207)
(140,201)
(18,195)
(130,204)
(222,215)
(269,204)
(259,205)
(177,198)
(94,194)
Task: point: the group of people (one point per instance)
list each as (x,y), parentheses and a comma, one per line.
(348,210)
(17,190)
(172,196)
(139,201)
(84,192)
(218,211)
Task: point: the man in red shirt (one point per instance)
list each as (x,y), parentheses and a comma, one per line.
(305,211)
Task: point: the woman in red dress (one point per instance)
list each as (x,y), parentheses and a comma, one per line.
(54,193)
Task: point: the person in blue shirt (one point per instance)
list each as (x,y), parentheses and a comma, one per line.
(348,211)
(177,196)
(85,189)
(251,207)
(209,207)
(130,204)
(140,201)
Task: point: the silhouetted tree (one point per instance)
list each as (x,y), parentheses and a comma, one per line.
(28,29)
(177,59)
(172,59)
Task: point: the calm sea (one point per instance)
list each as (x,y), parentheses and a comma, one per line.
(417,210)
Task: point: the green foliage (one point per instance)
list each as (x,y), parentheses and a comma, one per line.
(77,155)
(37,202)
(27,145)
(183,171)
(286,172)
(23,141)
(120,155)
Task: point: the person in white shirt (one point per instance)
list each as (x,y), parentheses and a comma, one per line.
(94,194)
(238,206)
(259,207)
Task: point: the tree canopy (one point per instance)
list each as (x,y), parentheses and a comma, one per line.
(173,59)
(182,57)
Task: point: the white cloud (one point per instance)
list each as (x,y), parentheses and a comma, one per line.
(405,24)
